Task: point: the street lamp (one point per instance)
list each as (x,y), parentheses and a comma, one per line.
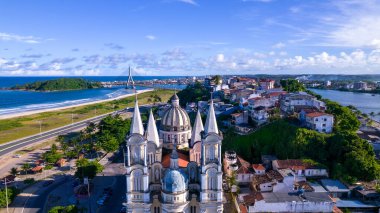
(6,193)
(40,123)
(72,118)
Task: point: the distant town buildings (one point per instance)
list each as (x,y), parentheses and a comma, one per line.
(266,84)
(360,85)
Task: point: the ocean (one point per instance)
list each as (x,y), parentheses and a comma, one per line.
(12,102)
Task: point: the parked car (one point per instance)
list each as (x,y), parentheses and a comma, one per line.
(17,156)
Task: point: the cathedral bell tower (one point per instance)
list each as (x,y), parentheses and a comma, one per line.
(211,195)
(137,176)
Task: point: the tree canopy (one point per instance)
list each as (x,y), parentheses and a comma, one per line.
(193,93)
(59,84)
(292,85)
(86,168)
(345,154)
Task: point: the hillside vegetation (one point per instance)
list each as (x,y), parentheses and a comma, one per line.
(59,84)
(347,156)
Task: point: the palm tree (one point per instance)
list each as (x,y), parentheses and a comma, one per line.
(13,171)
(26,167)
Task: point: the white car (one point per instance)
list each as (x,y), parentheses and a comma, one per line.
(17,156)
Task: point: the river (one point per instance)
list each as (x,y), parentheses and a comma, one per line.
(365,102)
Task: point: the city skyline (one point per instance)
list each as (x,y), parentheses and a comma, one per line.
(189,37)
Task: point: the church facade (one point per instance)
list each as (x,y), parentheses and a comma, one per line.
(176,168)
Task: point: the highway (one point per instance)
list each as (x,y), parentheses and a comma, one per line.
(16,144)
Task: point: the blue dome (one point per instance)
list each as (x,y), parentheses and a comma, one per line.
(175,181)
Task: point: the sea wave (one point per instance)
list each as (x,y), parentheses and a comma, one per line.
(42,106)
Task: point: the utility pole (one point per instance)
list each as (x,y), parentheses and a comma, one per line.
(6,193)
(40,123)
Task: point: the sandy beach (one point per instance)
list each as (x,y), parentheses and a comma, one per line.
(13,115)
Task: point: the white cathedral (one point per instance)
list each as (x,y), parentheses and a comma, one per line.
(175,168)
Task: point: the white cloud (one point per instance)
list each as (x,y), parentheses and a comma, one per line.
(283,53)
(279,45)
(19,38)
(220,57)
(89,72)
(150,37)
(189,2)
(357,32)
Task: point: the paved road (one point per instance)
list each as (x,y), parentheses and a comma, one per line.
(14,145)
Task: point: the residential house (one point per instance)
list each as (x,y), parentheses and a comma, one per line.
(235,164)
(259,169)
(239,118)
(259,115)
(301,167)
(266,84)
(289,101)
(292,202)
(335,188)
(320,121)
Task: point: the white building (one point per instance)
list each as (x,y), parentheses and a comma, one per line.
(319,121)
(300,168)
(259,114)
(289,101)
(293,202)
(171,183)
(267,84)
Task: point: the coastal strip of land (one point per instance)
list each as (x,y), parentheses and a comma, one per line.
(19,114)
(24,125)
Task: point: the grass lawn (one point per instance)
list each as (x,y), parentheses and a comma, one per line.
(19,127)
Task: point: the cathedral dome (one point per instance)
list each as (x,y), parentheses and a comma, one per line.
(175,181)
(175,119)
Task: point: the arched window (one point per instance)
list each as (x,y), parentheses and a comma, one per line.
(137,179)
(212,180)
(136,154)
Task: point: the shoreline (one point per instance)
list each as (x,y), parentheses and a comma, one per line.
(19,114)
(352,91)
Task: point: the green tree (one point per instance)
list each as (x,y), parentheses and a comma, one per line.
(11,193)
(64,209)
(292,85)
(25,167)
(193,93)
(217,79)
(107,142)
(86,168)
(13,171)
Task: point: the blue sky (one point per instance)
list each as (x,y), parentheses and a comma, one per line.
(189,37)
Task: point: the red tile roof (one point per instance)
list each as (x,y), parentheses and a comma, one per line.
(316,114)
(37,169)
(243,166)
(258,167)
(243,208)
(183,160)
